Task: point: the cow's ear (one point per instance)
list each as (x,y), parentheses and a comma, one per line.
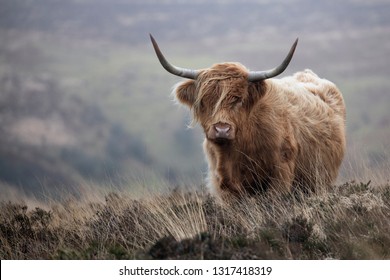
(256,91)
(186,93)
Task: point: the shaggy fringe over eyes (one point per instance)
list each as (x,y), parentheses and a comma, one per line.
(212,84)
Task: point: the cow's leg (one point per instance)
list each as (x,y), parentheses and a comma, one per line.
(282,178)
(220,175)
(212,179)
(283,172)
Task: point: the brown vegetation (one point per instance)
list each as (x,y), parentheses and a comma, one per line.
(350,222)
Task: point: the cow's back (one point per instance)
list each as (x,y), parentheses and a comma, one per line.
(324,89)
(316,112)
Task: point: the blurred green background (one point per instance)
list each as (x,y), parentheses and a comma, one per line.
(83,97)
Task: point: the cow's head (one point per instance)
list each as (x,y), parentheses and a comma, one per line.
(221,96)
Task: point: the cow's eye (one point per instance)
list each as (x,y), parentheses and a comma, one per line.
(235,99)
(202,106)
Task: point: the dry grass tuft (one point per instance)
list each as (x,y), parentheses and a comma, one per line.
(351,221)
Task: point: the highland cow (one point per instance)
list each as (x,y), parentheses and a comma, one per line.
(264,134)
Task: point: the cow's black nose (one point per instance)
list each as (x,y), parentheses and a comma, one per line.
(222,130)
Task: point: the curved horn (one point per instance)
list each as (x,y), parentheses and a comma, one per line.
(255,76)
(178,71)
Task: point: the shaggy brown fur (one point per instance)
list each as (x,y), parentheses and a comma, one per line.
(283,132)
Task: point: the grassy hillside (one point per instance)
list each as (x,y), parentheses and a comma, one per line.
(351,221)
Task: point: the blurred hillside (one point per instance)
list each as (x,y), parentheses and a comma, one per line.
(83,97)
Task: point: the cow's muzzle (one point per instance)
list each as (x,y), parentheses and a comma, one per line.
(221,132)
